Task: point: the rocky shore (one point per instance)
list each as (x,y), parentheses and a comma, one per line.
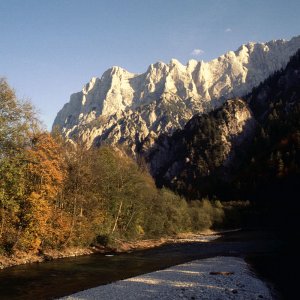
(213,278)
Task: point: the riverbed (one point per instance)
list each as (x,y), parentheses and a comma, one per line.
(218,277)
(63,277)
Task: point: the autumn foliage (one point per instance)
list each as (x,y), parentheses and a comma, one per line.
(55,195)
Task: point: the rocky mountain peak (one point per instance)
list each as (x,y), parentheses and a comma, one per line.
(124,107)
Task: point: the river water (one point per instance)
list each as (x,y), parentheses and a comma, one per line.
(62,277)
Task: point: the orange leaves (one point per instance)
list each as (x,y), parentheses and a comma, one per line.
(32,174)
(44,179)
(46,165)
(36,213)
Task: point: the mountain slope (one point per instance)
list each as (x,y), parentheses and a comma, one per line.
(244,147)
(127,108)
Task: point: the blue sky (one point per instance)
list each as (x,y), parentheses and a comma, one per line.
(50,49)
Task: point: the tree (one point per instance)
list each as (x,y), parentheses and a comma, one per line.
(79,198)
(17,123)
(45,176)
(46,166)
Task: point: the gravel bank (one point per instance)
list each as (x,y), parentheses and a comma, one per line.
(212,278)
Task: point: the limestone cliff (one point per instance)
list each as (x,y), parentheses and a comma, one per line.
(126,108)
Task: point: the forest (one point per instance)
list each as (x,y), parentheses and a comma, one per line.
(55,195)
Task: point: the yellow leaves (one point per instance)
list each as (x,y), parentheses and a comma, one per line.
(140,230)
(46,165)
(36,213)
(39,209)
(43,221)
(58,229)
(32,173)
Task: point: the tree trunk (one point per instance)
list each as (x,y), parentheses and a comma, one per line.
(2,220)
(126,227)
(117,217)
(73,222)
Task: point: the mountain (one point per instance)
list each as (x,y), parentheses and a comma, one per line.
(246,147)
(133,109)
(204,148)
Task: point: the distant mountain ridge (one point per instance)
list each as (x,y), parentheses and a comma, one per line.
(133,109)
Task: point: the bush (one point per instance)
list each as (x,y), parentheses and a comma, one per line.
(205,214)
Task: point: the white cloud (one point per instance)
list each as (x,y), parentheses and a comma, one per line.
(197,52)
(228,29)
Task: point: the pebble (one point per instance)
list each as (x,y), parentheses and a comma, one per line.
(187,281)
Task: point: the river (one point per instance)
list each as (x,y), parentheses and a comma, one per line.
(62,277)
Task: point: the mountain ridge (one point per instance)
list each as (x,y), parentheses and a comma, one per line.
(166,96)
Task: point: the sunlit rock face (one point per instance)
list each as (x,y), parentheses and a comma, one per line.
(206,143)
(130,109)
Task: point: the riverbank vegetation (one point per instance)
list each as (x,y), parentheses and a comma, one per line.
(54,195)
